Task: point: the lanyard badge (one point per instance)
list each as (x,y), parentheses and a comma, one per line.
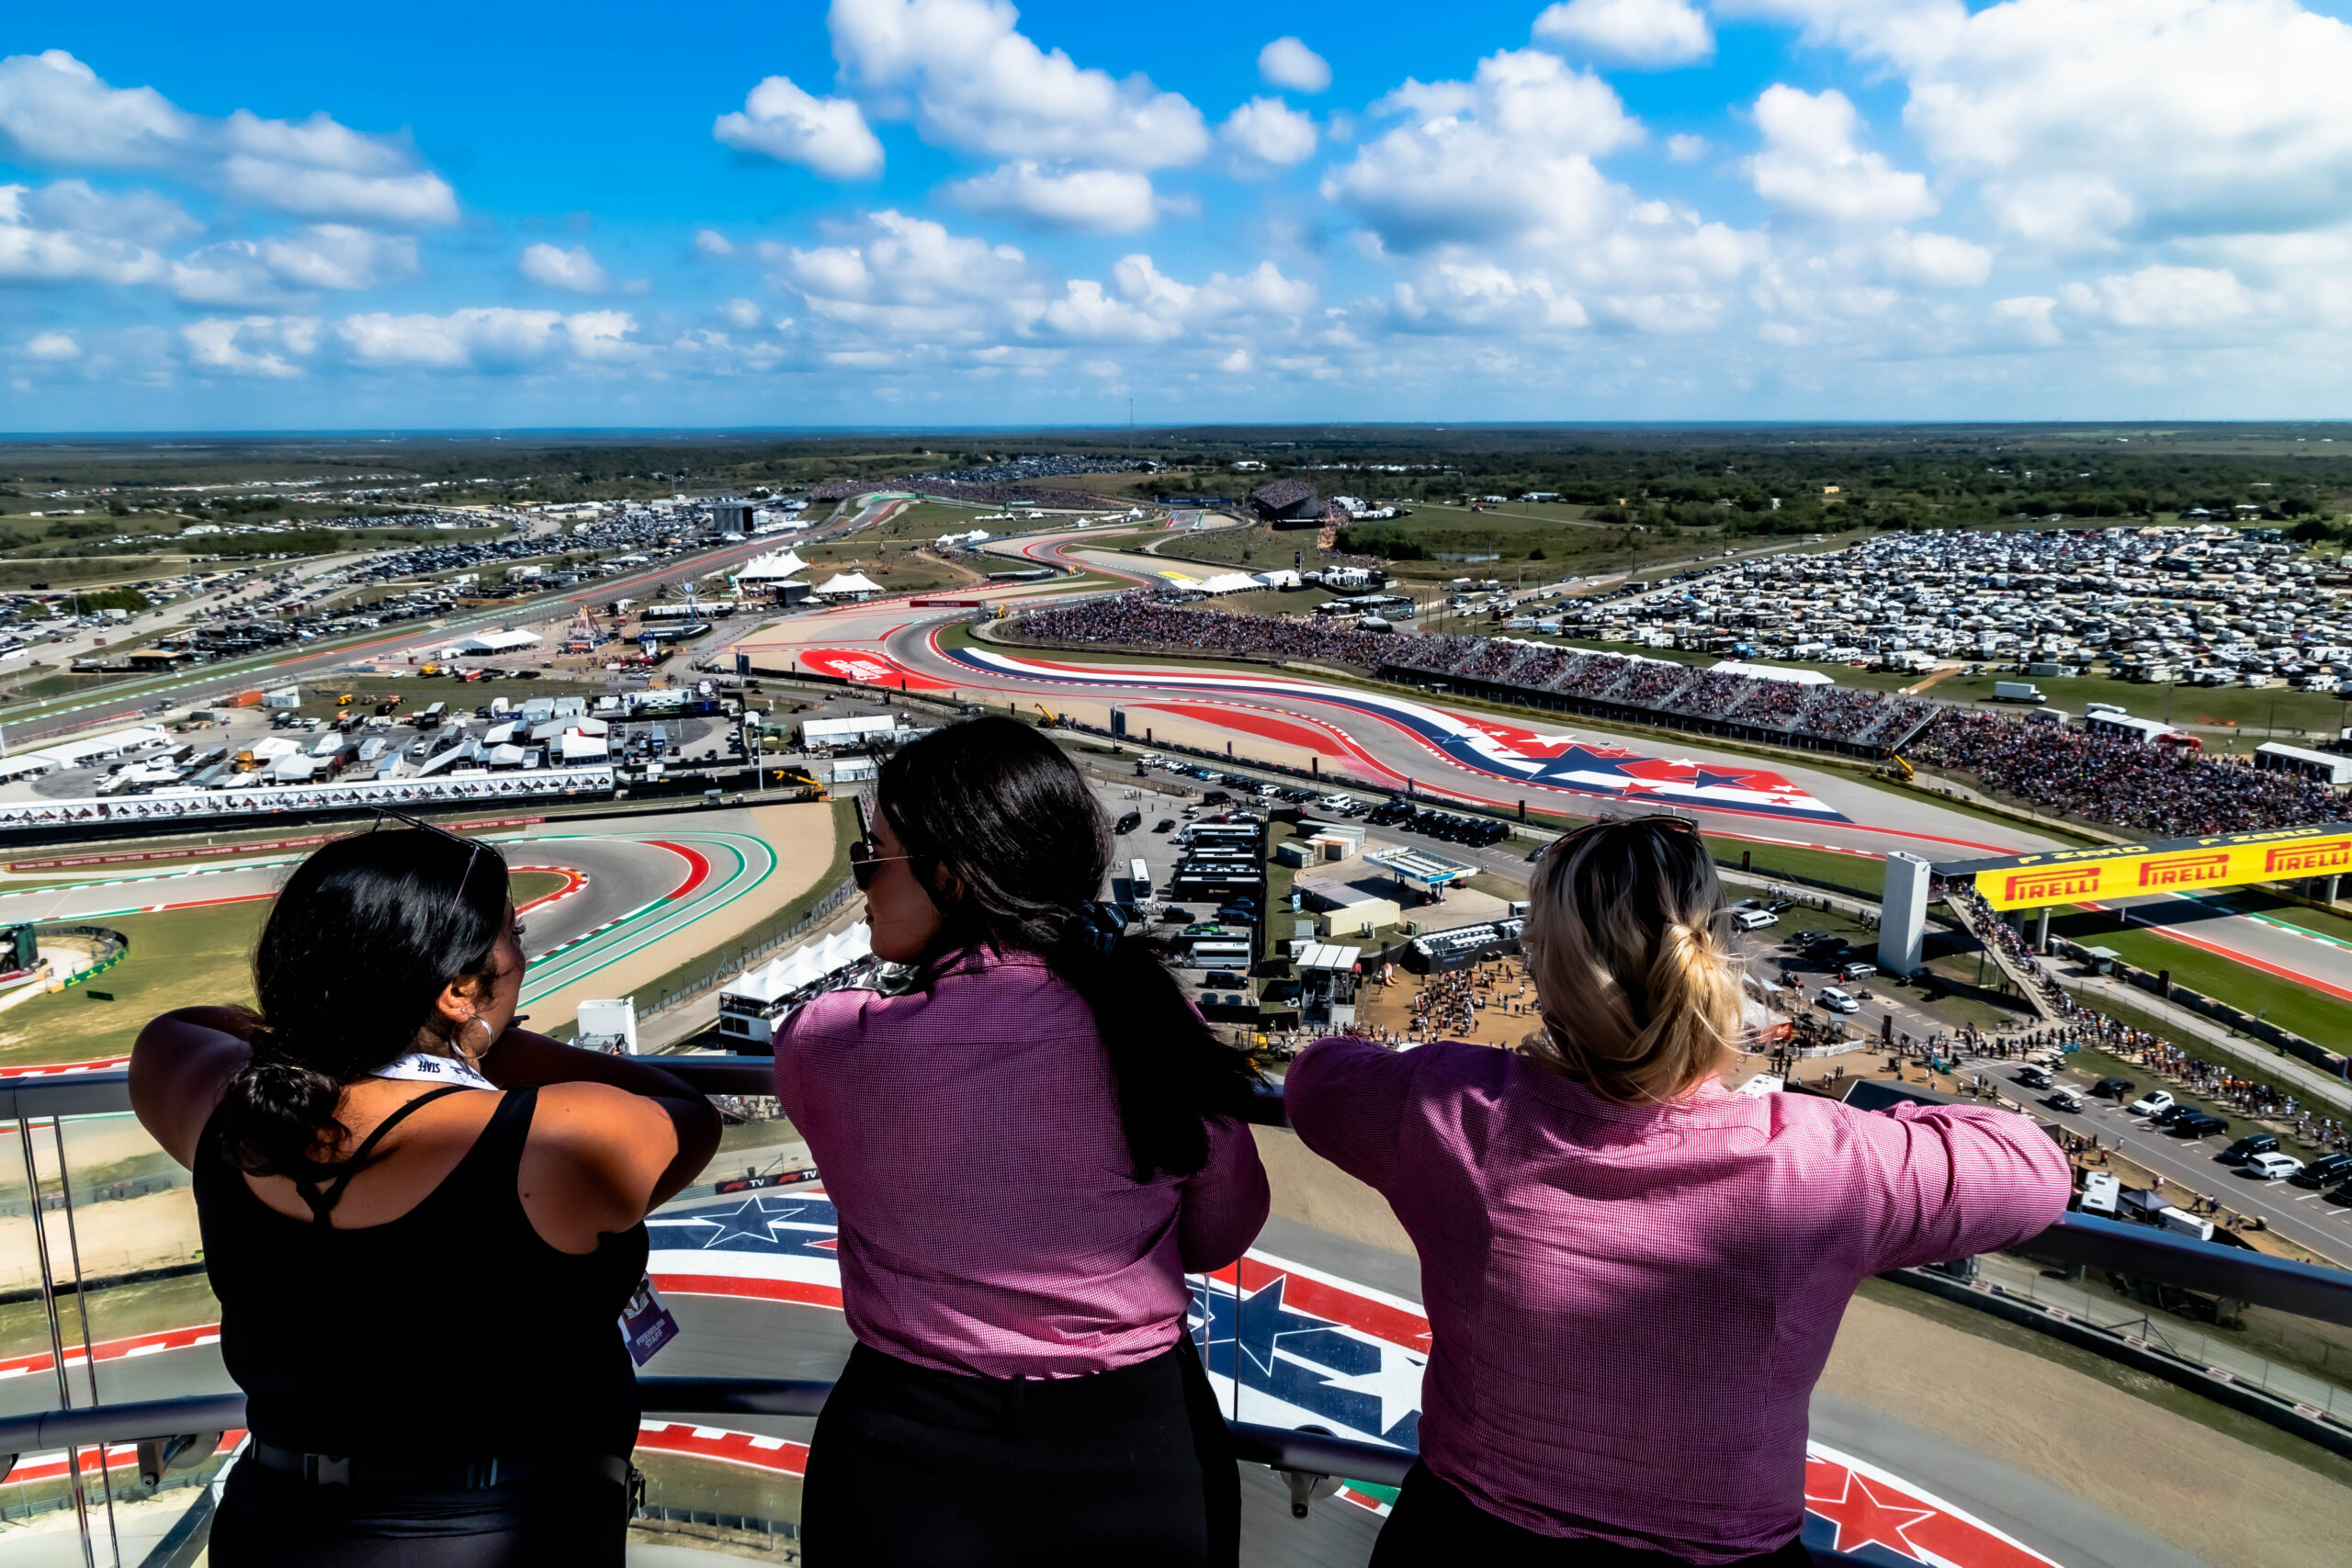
(646,1324)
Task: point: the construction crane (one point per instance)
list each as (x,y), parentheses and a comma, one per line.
(1046,718)
(1894,767)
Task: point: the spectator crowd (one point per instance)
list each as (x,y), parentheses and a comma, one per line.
(2161,791)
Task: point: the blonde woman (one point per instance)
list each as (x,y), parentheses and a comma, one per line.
(1633,1276)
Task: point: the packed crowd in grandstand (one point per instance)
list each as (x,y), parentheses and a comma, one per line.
(2148,789)
(2160,790)
(1824,712)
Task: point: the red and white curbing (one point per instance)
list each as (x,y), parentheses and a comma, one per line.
(154,1344)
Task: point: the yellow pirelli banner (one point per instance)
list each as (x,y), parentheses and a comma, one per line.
(2180,866)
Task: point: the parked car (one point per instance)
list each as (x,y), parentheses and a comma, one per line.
(2198,1125)
(1837,1000)
(2340,1193)
(2113,1089)
(2272,1166)
(1165,825)
(2245,1148)
(2323,1170)
(1754,920)
(1857,970)
(2152,1103)
(2169,1114)
(1175,916)
(1807,939)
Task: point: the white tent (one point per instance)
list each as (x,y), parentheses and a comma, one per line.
(772,568)
(1228,582)
(848,584)
(1770,672)
(1284,578)
(579,748)
(493,642)
(803,966)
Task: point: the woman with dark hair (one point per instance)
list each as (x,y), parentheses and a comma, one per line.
(1028,1149)
(420,1292)
(1633,1275)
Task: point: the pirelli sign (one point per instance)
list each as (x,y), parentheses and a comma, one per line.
(2180,865)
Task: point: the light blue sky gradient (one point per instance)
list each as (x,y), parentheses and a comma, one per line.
(526,215)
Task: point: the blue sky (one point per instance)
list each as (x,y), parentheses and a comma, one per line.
(955,213)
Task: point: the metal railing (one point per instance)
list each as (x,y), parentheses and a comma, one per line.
(2305,1289)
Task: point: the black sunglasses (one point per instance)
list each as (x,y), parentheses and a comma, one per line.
(864,865)
(473,846)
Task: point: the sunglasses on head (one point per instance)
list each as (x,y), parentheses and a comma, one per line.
(473,846)
(864,865)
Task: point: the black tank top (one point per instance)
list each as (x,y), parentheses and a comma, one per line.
(453,1332)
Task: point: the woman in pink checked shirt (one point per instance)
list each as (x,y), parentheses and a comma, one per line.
(1632,1276)
(1028,1148)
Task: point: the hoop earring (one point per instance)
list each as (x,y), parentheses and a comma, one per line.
(457,1041)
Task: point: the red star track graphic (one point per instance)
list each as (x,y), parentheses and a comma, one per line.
(1862,1517)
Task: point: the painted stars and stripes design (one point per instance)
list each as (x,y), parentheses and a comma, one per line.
(1538,759)
(1286,1345)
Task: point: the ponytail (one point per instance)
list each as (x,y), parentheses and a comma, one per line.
(1167,1070)
(1638,986)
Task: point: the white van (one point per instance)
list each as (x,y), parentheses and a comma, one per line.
(2100,1190)
(1754,920)
(2184,1222)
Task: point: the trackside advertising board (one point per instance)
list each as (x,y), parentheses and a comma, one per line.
(2178,865)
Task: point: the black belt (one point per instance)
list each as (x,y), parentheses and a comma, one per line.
(478,1476)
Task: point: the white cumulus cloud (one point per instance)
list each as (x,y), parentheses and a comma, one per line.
(492,338)
(1288,62)
(1267,133)
(54,111)
(251,345)
(322,256)
(1810,164)
(53,347)
(971,80)
(1100,201)
(1651,33)
(552,266)
(1496,158)
(793,125)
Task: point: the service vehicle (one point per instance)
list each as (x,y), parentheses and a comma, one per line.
(2099,1195)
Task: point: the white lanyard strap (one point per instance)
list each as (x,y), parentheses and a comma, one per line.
(419,1067)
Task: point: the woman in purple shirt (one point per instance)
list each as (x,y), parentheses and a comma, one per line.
(1029,1147)
(1633,1277)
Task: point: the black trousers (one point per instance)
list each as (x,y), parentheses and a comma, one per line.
(270,1520)
(1433,1522)
(911,1467)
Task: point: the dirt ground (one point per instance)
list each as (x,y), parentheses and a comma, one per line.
(1496,997)
(2204,1491)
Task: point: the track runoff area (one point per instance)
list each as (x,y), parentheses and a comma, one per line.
(1311,1328)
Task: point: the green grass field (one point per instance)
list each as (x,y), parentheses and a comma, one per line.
(2310,1013)
(178,958)
(2254,714)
